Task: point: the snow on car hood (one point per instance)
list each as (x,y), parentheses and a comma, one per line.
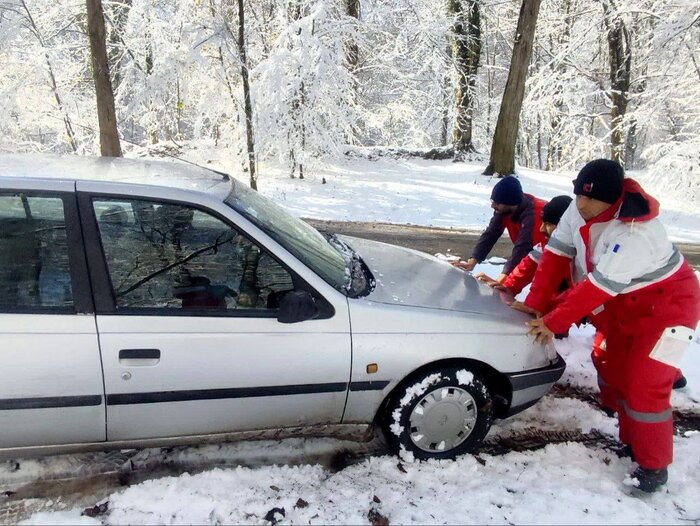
(408,277)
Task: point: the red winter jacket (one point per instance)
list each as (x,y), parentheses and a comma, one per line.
(628,274)
(523,228)
(525,272)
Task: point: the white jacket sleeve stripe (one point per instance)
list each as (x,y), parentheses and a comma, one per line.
(674,263)
(606,285)
(560,248)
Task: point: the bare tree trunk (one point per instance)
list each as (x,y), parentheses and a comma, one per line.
(106,113)
(638,87)
(446,103)
(294,13)
(353,51)
(250,140)
(466,52)
(620,59)
(506,134)
(554,148)
(52,78)
(490,81)
(632,143)
(120,16)
(539,143)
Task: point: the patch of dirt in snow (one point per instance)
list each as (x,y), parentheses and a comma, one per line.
(684,421)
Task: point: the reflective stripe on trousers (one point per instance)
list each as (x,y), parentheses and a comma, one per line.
(646,417)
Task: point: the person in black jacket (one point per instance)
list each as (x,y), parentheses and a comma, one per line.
(515,211)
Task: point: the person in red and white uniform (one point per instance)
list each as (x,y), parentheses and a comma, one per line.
(522,275)
(638,291)
(513,211)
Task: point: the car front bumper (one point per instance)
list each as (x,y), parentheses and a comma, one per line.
(529,386)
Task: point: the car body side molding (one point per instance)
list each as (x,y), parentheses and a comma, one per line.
(239,392)
(50,402)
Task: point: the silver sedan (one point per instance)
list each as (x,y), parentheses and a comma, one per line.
(146,303)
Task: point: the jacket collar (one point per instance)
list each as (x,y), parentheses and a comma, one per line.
(634,205)
(526,202)
(637,205)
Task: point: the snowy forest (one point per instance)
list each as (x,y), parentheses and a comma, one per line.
(302,81)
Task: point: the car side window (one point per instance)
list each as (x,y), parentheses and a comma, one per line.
(171,256)
(34,264)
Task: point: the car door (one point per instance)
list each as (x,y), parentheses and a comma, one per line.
(188,330)
(51,389)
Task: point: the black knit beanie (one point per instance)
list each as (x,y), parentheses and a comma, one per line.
(600,179)
(552,211)
(507,191)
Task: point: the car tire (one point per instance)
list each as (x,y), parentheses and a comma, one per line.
(441,414)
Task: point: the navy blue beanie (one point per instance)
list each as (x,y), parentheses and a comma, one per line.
(507,192)
(552,211)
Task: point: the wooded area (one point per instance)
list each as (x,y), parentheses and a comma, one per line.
(302,80)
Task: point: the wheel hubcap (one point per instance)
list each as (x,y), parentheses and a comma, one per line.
(443,419)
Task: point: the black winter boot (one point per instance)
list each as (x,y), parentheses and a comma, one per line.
(680,383)
(649,480)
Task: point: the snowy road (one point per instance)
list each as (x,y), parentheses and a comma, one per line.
(433,240)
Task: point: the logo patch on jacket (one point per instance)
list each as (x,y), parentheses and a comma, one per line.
(588,187)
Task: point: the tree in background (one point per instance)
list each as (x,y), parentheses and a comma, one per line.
(466,53)
(106,113)
(406,83)
(177,81)
(305,89)
(250,138)
(353,50)
(21,14)
(502,160)
(116,48)
(620,60)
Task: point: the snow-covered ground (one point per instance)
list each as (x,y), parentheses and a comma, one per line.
(560,484)
(431,193)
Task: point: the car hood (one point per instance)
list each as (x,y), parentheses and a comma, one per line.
(411,278)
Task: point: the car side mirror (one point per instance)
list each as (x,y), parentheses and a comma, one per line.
(296,306)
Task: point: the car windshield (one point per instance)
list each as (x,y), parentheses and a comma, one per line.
(327,256)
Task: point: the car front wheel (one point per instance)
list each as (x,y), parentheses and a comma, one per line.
(443,414)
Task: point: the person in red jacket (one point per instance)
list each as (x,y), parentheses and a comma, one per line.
(522,275)
(515,211)
(638,291)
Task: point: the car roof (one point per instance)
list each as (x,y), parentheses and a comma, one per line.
(115,170)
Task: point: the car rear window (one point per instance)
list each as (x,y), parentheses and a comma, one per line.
(34,266)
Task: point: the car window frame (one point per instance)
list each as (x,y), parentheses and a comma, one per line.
(77,260)
(103,291)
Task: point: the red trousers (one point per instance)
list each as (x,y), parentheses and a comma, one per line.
(639,389)
(609,397)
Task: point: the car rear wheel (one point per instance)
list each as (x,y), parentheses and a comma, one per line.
(443,414)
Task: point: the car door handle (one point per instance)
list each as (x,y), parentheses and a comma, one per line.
(139,356)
